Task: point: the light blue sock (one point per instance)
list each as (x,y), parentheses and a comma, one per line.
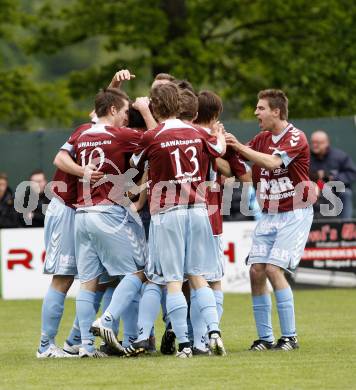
(207,305)
(86,315)
(122,297)
(198,323)
(165,317)
(98,297)
(148,311)
(285,307)
(177,310)
(219,298)
(105,304)
(52,311)
(130,318)
(262,307)
(74,337)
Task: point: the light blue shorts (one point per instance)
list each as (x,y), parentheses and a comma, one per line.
(59,239)
(108,238)
(180,244)
(219,258)
(280,239)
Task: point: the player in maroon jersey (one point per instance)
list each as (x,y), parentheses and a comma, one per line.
(180,231)
(280,154)
(210,108)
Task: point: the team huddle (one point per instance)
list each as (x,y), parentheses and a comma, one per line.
(137,217)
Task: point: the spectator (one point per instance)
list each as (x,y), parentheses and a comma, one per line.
(8,215)
(38,185)
(331,164)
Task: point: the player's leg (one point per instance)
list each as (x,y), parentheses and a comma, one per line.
(60,262)
(130,320)
(122,250)
(199,326)
(148,312)
(285,255)
(168,346)
(52,312)
(262,308)
(201,261)
(263,239)
(89,270)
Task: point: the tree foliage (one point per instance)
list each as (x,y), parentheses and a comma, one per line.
(236,47)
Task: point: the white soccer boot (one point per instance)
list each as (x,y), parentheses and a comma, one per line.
(107,334)
(83,353)
(185,353)
(52,352)
(216,345)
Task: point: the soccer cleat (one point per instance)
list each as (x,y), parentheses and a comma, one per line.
(261,345)
(52,352)
(137,348)
(109,350)
(83,353)
(286,344)
(201,352)
(168,345)
(185,353)
(152,345)
(107,334)
(216,345)
(71,349)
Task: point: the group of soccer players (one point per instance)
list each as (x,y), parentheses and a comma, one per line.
(169,151)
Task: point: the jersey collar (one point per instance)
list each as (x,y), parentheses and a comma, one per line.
(277,138)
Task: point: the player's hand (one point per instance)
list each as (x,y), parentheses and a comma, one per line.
(141,103)
(91,174)
(120,76)
(217,128)
(230,139)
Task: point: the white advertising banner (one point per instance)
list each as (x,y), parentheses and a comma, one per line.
(237,240)
(22,256)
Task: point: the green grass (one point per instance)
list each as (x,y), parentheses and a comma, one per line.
(326,322)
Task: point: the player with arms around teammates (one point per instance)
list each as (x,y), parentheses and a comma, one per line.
(180,233)
(107,237)
(280,173)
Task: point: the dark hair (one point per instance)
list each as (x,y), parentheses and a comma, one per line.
(188,102)
(136,120)
(165,101)
(210,107)
(164,76)
(108,97)
(184,84)
(276,99)
(3,176)
(37,172)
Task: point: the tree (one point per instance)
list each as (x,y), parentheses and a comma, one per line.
(236,47)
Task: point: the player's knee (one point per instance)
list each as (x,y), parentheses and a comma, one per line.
(274,274)
(257,273)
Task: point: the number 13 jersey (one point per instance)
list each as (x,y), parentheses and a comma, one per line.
(179,159)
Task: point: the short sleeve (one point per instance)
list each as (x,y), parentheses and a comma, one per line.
(237,165)
(212,144)
(291,147)
(140,152)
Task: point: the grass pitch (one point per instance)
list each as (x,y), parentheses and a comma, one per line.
(326,322)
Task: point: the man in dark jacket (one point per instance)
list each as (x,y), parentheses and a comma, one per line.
(331,164)
(38,184)
(8,216)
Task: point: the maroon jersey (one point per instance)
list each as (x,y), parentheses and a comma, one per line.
(178,156)
(288,187)
(109,149)
(214,198)
(67,192)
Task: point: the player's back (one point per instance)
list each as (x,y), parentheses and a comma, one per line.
(178,164)
(109,149)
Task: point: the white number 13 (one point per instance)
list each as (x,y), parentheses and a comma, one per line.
(193,160)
